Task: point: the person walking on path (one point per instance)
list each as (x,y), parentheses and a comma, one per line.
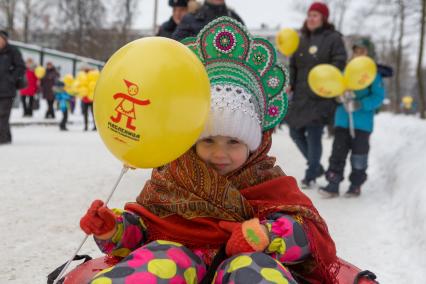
(320,43)
(47,84)
(363,105)
(12,71)
(63,99)
(28,93)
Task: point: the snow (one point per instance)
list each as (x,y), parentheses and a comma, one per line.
(48,179)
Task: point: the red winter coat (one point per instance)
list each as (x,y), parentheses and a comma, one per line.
(31,88)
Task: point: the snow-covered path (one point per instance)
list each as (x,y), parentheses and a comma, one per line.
(48,178)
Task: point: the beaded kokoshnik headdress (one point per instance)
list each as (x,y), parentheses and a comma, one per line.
(247,84)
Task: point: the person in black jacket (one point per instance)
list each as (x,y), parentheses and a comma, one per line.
(180,8)
(308,113)
(12,69)
(192,23)
(47,83)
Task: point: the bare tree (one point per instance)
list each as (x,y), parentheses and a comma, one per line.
(34,12)
(126,11)
(9,9)
(83,22)
(420,62)
(399,53)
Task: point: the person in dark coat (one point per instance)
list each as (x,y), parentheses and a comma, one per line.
(192,23)
(12,69)
(47,84)
(180,8)
(320,43)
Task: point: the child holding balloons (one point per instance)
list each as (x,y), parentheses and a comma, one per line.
(223,212)
(363,105)
(63,99)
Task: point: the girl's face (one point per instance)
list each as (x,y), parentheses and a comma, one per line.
(222,153)
(314,20)
(360,51)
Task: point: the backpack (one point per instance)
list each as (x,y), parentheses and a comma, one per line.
(22,82)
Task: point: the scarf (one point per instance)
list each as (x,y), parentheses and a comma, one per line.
(184,201)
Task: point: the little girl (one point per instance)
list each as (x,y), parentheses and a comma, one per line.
(223,212)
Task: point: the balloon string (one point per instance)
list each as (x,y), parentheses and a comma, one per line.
(347,97)
(123,171)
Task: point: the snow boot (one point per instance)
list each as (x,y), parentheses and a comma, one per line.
(329,191)
(354,191)
(320,172)
(307,184)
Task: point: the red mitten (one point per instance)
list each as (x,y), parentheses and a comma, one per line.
(98,220)
(249,236)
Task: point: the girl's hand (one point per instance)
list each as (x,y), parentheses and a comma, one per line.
(249,236)
(99,221)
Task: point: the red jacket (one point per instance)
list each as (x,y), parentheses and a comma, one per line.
(31,88)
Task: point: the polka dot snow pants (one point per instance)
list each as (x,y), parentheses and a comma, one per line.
(167,262)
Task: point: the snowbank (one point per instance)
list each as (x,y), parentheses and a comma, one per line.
(48,178)
(399,145)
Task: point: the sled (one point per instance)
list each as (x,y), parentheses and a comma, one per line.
(83,273)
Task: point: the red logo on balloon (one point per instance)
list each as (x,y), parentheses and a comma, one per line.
(126,106)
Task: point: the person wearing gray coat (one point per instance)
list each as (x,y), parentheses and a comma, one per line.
(308,113)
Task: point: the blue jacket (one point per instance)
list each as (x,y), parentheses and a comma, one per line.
(63,98)
(370,98)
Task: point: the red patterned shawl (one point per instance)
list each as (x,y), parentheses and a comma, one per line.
(185,200)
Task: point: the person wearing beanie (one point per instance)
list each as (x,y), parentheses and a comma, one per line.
(12,72)
(363,105)
(223,212)
(308,114)
(193,22)
(179,10)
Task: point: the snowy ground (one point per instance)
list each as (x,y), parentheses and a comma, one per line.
(48,178)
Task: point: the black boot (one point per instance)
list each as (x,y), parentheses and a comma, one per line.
(353,191)
(330,191)
(307,184)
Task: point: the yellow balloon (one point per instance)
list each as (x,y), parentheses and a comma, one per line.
(92,86)
(360,73)
(93,76)
(68,80)
(151,102)
(326,81)
(287,41)
(407,100)
(82,91)
(40,71)
(91,95)
(82,79)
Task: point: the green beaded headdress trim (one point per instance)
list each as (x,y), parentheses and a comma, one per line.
(233,57)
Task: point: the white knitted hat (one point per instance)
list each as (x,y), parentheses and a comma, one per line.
(233,114)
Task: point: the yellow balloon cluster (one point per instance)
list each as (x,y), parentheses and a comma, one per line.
(68,80)
(151,102)
(287,41)
(84,84)
(327,81)
(40,71)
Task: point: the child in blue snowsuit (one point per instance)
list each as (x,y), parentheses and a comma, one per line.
(63,99)
(365,103)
